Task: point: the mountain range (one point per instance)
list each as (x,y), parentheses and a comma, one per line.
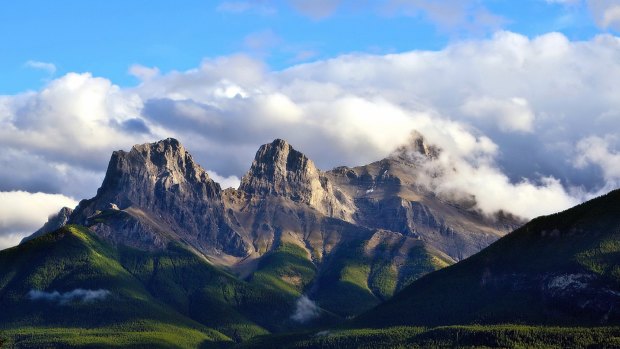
(163,249)
(365,231)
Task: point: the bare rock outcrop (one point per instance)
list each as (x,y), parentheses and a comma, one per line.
(54,222)
(280,170)
(162,180)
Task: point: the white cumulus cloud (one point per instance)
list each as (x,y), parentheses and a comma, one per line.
(512,114)
(602,152)
(508,112)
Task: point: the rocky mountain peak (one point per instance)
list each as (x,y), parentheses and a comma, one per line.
(280,170)
(416,149)
(160,182)
(159,166)
(168,147)
(279,157)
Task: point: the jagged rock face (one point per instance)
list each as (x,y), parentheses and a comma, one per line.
(280,170)
(283,191)
(54,222)
(163,180)
(387,195)
(130,228)
(163,169)
(165,196)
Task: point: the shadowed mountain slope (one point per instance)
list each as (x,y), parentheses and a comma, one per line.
(557,269)
(71,278)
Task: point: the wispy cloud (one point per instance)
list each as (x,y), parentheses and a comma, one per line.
(262,7)
(563,2)
(261,41)
(449,15)
(606,13)
(225,182)
(304,55)
(316,9)
(50,68)
(305,310)
(78,295)
(143,73)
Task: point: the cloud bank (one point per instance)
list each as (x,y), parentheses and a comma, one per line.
(78,295)
(527,125)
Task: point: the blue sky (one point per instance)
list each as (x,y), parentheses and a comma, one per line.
(107,37)
(520,96)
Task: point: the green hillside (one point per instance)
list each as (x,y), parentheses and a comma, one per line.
(352,282)
(149,296)
(286,268)
(142,334)
(73,259)
(474,336)
(557,269)
(157,296)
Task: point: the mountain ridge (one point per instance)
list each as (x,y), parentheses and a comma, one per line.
(368,230)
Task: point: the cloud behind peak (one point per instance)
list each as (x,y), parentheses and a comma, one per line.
(524,122)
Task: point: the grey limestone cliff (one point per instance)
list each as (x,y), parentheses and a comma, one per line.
(280,170)
(172,193)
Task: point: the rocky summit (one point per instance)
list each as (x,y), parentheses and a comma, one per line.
(281,171)
(155,194)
